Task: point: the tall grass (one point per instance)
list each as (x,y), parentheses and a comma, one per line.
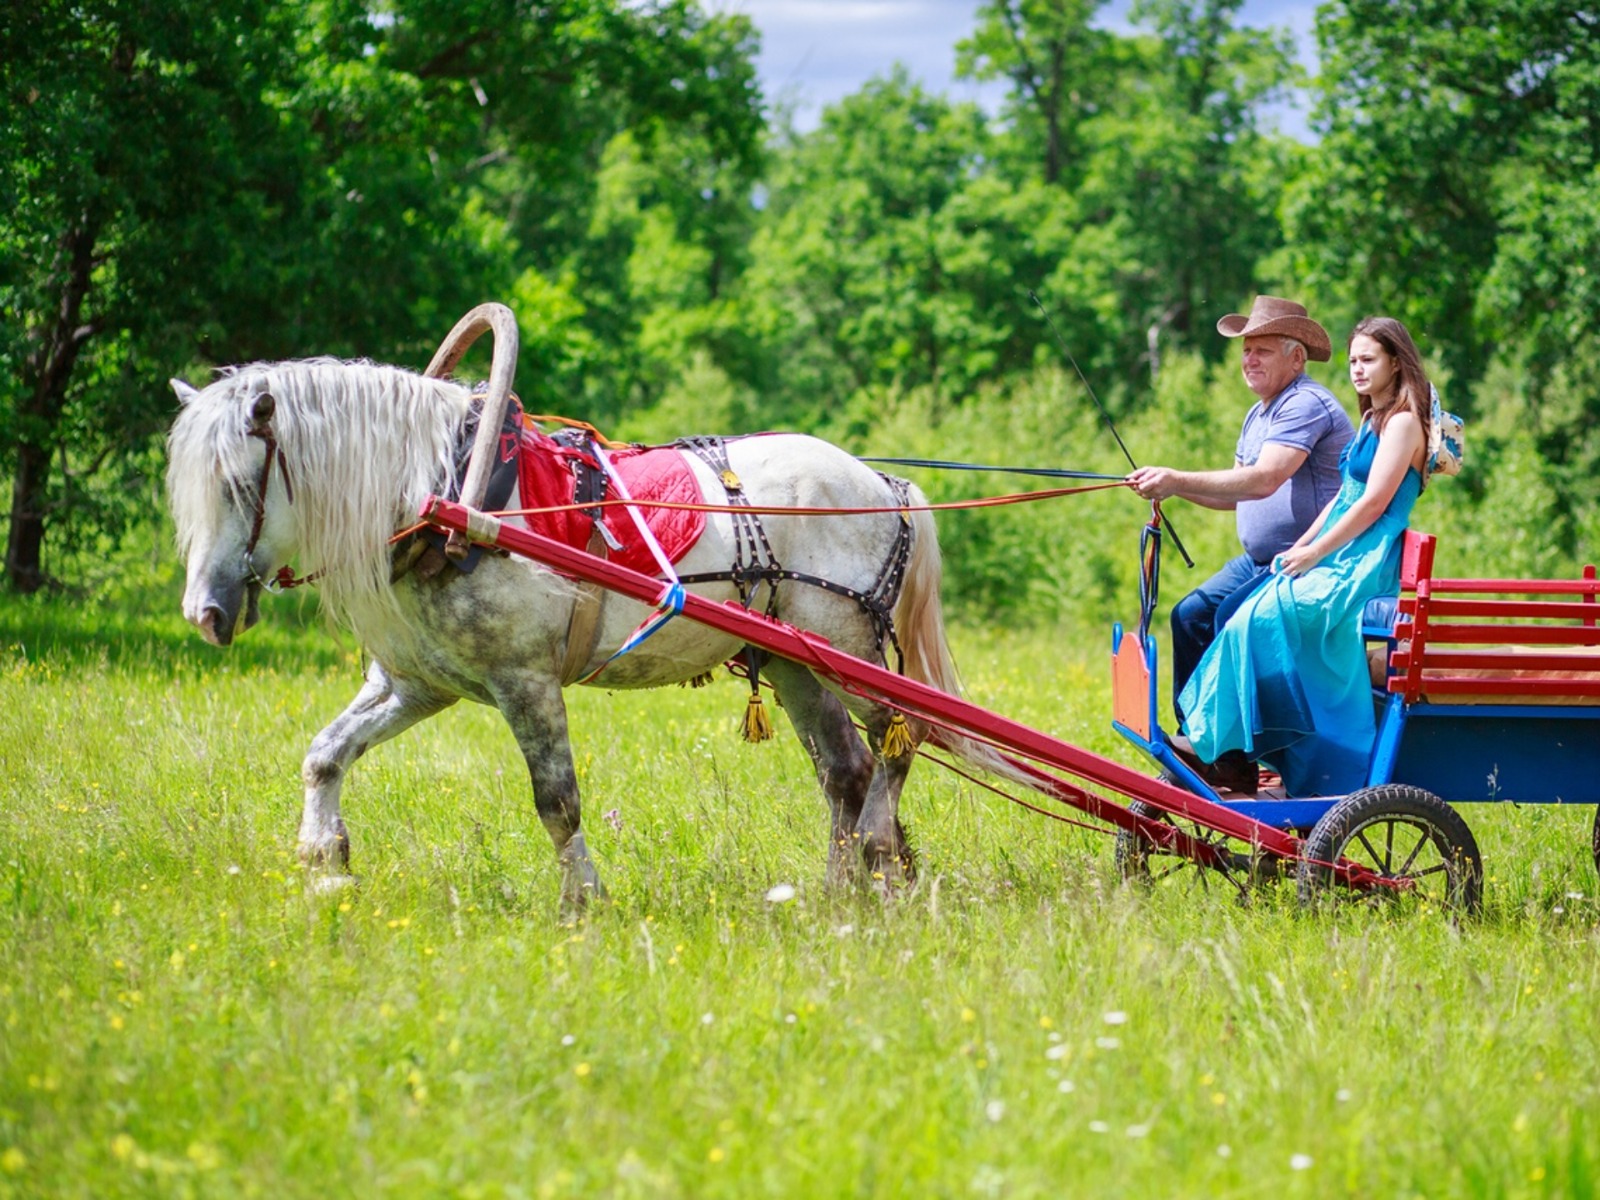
(179,1017)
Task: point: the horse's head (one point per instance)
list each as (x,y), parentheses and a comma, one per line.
(228,489)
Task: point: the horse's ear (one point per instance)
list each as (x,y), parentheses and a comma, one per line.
(184,392)
(261,410)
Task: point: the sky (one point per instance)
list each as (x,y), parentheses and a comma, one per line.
(814,52)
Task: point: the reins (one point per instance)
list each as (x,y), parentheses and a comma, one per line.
(775,510)
(942,465)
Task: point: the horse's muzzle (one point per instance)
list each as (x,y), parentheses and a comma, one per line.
(214,626)
(222,618)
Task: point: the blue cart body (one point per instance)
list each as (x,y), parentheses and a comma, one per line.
(1503,739)
(1462,753)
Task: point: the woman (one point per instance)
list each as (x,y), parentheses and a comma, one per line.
(1286,680)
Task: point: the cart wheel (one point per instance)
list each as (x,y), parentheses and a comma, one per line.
(1140,861)
(1400,832)
(1596,840)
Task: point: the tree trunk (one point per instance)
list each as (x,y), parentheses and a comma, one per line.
(25,545)
(47,370)
(1053,152)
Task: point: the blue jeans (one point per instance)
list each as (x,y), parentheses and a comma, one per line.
(1197,617)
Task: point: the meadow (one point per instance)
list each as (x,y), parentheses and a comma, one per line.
(180,1016)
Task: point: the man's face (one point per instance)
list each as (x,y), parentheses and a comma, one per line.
(1267,367)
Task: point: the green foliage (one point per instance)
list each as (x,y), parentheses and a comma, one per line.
(882,261)
(201,183)
(1154,138)
(1181,169)
(1062,71)
(188,187)
(1456,185)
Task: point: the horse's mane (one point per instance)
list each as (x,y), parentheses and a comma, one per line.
(363,445)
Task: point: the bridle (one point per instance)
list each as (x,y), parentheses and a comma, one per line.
(284,578)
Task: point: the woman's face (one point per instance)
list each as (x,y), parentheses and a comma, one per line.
(1371,367)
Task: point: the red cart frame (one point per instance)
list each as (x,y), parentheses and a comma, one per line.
(1017,743)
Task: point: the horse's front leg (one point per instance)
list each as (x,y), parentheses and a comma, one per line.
(534,708)
(383,708)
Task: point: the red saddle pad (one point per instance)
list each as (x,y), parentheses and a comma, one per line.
(545,475)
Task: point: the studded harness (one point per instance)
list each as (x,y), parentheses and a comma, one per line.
(755,563)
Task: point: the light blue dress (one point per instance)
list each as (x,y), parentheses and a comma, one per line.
(1286,679)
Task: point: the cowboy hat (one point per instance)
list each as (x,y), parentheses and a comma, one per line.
(1275,315)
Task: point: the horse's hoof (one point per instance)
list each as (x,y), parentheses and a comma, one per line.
(329,883)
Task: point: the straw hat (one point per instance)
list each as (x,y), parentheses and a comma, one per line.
(1275,315)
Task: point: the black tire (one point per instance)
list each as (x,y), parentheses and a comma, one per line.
(1595,844)
(1400,832)
(1134,853)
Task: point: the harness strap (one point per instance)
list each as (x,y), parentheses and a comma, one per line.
(284,577)
(431,559)
(589,480)
(755,562)
(274,451)
(583,627)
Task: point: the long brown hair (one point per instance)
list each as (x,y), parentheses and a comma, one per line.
(1411,387)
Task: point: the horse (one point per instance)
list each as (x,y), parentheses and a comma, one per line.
(321,462)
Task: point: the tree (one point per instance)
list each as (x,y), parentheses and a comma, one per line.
(1181,167)
(1445,124)
(1061,68)
(1153,138)
(884,259)
(220,181)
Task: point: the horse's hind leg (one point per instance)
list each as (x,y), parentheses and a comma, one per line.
(884,845)
(845,768)
(533,706)
(382,708)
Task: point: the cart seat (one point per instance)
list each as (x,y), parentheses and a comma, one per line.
(1493,641)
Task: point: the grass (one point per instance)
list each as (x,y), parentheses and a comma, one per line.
(179,1017)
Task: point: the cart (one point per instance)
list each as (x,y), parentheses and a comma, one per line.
(1487,690)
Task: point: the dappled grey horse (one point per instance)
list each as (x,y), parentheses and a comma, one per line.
(321,462)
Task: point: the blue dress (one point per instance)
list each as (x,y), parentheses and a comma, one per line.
(1286,679)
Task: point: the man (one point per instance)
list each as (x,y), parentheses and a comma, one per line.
(1285,470)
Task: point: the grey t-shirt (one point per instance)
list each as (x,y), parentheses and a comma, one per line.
(1306,416)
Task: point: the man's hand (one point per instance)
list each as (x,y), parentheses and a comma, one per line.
(1155,483)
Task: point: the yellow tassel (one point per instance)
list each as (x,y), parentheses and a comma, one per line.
(757,725)
(699,681)
(897,739)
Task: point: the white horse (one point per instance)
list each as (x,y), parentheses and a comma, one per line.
(321,462)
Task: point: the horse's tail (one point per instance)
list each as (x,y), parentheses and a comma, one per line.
(919,624)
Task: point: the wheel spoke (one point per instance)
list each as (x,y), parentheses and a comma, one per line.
(1380,861)
(1141,858)
(1422,840)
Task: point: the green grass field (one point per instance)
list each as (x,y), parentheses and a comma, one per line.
(179,1017)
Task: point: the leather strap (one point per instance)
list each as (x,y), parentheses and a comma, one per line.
(583,628)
